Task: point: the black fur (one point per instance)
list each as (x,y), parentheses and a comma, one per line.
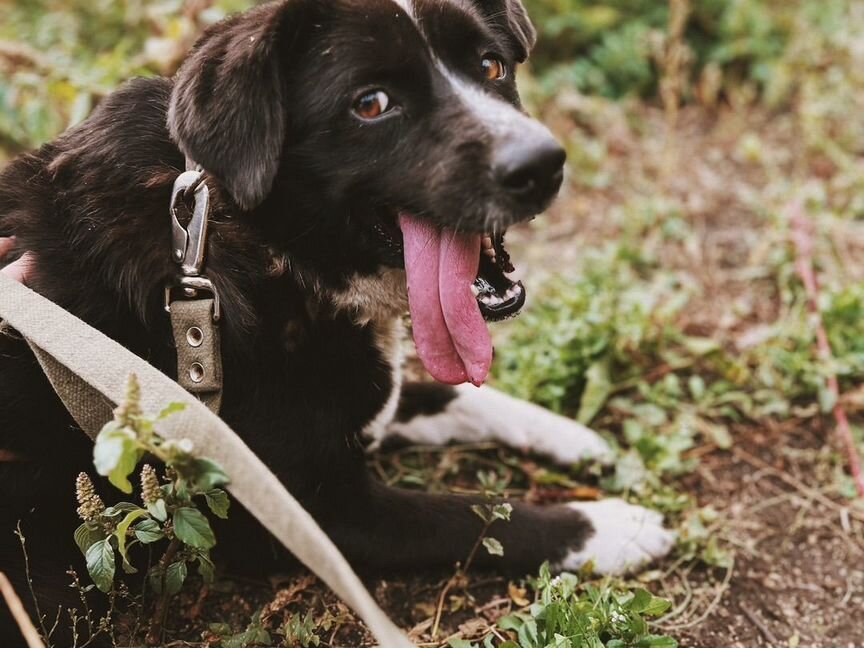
(297,182)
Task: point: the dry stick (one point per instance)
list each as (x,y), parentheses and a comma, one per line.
(28,630)
(802,234)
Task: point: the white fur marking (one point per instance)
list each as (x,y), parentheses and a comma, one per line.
(626,537)
(374,298)
(388,339)
(485,414)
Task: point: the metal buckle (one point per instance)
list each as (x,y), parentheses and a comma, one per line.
(190,243)
(192,287)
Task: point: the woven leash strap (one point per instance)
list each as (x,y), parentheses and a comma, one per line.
(88,367)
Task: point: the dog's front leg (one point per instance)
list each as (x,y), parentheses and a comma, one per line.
(387,528)
(435,414)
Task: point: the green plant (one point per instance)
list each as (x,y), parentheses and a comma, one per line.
(570,614)
(171,511)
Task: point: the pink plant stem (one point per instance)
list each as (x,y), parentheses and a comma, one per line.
(802,235)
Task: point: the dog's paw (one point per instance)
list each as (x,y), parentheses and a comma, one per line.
(626,537)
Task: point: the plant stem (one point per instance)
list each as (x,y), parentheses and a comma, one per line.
(457,577)
(154,635)
(802,233)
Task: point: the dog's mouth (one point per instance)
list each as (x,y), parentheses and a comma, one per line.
(457,282)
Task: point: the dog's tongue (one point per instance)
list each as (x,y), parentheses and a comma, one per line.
(450,333)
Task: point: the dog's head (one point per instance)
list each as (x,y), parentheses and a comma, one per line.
(367,135)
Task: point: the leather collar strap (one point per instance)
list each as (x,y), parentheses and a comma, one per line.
(193,301)
(89,370)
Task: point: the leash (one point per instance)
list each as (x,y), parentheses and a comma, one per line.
(89,372)
(91,367)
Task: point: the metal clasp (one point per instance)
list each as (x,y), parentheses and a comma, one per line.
(189,243)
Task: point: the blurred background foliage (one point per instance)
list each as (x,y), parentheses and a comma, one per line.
(57,58)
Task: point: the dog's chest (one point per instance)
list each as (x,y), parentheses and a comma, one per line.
(388,337)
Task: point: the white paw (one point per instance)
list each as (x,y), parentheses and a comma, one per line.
(626,537)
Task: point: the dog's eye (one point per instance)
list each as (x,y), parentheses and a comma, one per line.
(373,104)
(493,68)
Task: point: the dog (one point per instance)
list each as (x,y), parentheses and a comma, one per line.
(364,158)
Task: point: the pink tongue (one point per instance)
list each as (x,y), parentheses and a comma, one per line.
(450,334)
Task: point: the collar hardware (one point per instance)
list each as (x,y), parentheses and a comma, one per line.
(189,242)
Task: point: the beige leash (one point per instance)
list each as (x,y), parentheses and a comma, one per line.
(88,367)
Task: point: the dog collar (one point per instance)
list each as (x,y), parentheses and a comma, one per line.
(193,301)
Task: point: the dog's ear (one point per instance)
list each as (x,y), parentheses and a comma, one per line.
(227,111)
(513,17)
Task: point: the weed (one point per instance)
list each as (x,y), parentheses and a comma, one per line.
(571,614)
(170,513)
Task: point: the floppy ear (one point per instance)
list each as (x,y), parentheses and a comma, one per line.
(513,17)
(227,110)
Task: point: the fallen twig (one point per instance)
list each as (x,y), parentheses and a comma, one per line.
(802,235)
(760,625)
(16,607)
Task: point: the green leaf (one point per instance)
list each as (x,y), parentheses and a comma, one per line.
(115,455)
(482,511)
(653,641)
(206,568)
(158,510)
(120,532)
(461,643)
(175,576)
(100,564)
(644,602)
(193,529)
(510,622)
(207,475)
(173,408)
(148,531)
(493,546)
(598,387)
(85,536)
(218,501)
(502,511)
(641,599)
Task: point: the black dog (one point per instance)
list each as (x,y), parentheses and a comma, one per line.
(347,144)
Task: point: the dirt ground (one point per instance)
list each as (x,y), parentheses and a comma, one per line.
(798,572)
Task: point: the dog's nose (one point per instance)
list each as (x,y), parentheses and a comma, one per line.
(530,170)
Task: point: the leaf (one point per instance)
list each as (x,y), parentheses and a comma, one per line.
(699,346)
(598,387)
(158,510)
(206,568)
(207,475)
(461,643)
(193,529)
(86,536)
(173,408)
(115,455)
(175,576)
(482,511)
(641,599)
(644,602)
(510,622)
(120,532)
(653,641)
(100,564)
(218,501)
(502,512)
(148,531)
(493,546)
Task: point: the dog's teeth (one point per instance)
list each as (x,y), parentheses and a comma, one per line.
(475,290)
(487,242)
